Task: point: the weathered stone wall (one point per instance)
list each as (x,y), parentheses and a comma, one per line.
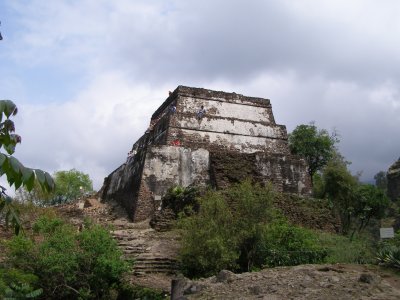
(168,166)
(287,173)
(228,141)
(232,121)
(123,184)
(393,177)
(140,183)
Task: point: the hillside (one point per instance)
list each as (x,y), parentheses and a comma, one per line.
(156,260)
(156,252)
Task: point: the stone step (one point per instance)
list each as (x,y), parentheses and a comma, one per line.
(124,238)
(132,246)
(142,268)
(155,260)
(132,253)
(146,256)
(156,267)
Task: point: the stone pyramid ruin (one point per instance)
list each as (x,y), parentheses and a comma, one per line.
(204,137)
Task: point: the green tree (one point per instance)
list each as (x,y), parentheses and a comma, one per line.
(16,173)
(355,203)
(371,203)
(381,180)
(71,184)
(340,188)
(317,146)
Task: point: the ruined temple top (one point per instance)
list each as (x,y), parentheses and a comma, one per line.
(206,94)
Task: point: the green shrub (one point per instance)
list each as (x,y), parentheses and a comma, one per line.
(388,253)
(207,242)
(129,292)
(181,200)
(342,249)
(15,284)
(67,263)
(235,229)
(289,245)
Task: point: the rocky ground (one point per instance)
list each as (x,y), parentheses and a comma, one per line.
(309,282)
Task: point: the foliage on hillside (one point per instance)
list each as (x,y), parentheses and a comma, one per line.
(62,262)
(239,229)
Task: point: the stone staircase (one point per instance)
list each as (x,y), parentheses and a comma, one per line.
(154,252)
(148,249)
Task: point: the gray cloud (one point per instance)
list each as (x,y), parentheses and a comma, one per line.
(240,40)
(336,63)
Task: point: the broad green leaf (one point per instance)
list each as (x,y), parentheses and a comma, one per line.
(40,176)
(29,184)
(9,107)
(28,178)
(18,182)
(15,164)
(5,167)
(10,179)
(27,173)
(10,148)
(49,181)
(3,158)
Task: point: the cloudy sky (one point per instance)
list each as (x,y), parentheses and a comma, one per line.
(87,75)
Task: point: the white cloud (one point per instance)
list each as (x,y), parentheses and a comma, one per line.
(93,132)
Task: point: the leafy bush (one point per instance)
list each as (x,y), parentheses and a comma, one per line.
(136,292)
(242,235)
(207,242)
(288,245)
(15,284)
(388,253)
(67,263)
(342,249)
(181,200)
(389,256)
